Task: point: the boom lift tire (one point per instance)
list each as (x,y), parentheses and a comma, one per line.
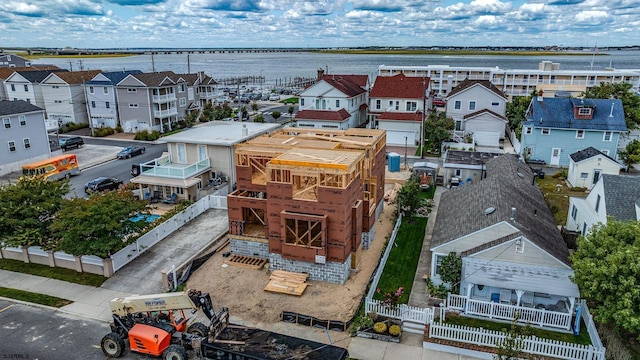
(198,329)
(174,352)
(112,345)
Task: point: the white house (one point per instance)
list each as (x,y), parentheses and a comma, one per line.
(25,86)
(478,108)
(64,96)
(514,260)
(588,165)
(617,196)
(397,104)
(327,103)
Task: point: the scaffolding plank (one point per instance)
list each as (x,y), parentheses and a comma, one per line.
(286,287)
(246,261)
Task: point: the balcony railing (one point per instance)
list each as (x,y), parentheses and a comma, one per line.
(492,310)
(163,167)
(165,113)
(164,98)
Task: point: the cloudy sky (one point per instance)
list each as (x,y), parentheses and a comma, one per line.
(320,23)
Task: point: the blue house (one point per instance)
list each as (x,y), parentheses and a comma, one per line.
(557,127)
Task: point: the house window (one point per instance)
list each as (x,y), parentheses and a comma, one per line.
(438,263)
(181,153)
(317,104)
(305,231)
(607,136)
(457,172)
(495,103)
(107,105)
(105,90)
(584,228)
(528,130)
(458,125)
(378,104)
(93,104)
(472,105)
(7,123)
(55,87)
(132,90)
(12,145)
(302,102)
(57,101)
(337,104)
(584,175)
(26,142)
(412,106)
(13,87)
(598,203)
(181,88)
(546,131)
(23,120)
(596,177)
(183,101)
(397,105)
(584,111)
(574,212)
(605,151)
(579,134)
(457,105)
(90,89)
(133,106)
(26,88)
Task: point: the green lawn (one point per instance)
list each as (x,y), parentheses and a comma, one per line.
(582,339)
(53,273)
(402,263)
(558,201)
(33,297)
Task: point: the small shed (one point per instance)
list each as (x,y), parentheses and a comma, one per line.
(425,173)
(588,165)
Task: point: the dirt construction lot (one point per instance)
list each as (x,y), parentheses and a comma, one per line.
(242,289)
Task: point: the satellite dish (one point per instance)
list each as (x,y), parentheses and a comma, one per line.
(489,210)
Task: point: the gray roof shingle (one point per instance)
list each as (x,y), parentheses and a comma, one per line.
(588,153)
(608,114)
(17,107)
(509,184)
(621,192)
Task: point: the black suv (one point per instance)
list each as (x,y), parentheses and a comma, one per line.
(102,184)
(71,143)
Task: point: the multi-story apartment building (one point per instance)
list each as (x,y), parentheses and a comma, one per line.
(517,82)
(64,97)
(102,103)
(25,85)
(308,199)
(23,136)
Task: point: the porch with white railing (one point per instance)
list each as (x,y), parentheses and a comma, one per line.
(163,167)
(507,312)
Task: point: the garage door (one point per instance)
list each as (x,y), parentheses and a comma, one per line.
(487,138)
(395,137)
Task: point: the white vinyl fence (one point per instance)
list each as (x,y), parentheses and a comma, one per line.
(155,235)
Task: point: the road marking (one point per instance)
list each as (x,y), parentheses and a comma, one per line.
(6,308)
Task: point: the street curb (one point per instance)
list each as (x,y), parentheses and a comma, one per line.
(46,307)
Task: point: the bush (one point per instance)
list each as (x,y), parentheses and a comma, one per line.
(119,128)
(71,127)
(102,132)
(380,327)
(394,330)
(148,136)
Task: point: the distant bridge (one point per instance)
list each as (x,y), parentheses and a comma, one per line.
(142,51)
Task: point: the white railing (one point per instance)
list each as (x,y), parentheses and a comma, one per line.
(161,167)
(165,112)
(491,310)
(385,256)
(517,145)
(401,312)
(160,232)
(164,97)
(591,326)
(531,344)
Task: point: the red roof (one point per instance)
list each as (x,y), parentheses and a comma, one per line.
(340,115)
(398,116)
(399,86)
(350,85)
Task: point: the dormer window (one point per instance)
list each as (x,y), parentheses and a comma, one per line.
(584,111)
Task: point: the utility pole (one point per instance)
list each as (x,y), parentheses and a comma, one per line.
(424,113)
(86,101)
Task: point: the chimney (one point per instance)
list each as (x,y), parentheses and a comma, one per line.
(513,214)
(540,96)
(320,73)
(245,131)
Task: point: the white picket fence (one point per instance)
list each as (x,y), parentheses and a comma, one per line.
(157,234)
(531,344)
(401,312)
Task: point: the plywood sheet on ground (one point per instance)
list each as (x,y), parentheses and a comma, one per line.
(286,282)
(246,261)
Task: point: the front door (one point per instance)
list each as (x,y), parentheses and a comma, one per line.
(555,156)
(596,176)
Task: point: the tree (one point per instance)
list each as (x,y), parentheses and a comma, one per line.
(258,118)
(28,208)
(98,225)
(606,271)
(276,115)
(438,129)
(191,118)
(515,111)
(631,154)
(408,198)
(451,271)
(630,100)
(207,113)
(290,111)
(254,106)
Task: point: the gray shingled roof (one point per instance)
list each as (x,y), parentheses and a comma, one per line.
(588,153)
(467,83)
(620,194)
(509,184)
(608,114)
(155,79)
(17,107)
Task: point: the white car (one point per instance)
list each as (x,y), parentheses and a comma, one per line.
(274,97)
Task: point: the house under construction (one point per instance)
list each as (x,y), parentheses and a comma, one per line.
(307,199)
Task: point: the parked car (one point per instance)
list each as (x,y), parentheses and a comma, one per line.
(274,97)
(102,184)
(131,151)
(73,142)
